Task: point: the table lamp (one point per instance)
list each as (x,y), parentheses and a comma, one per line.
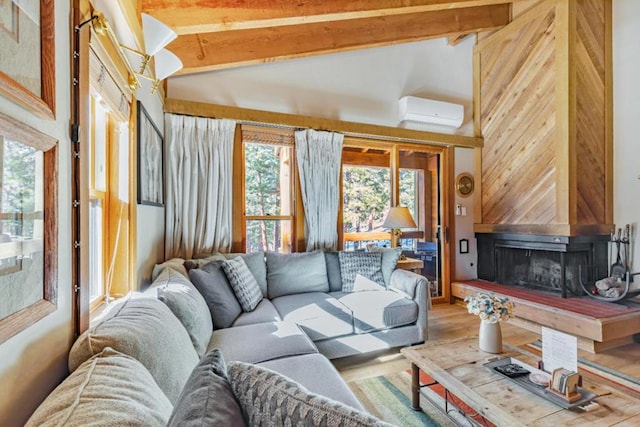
(398,217)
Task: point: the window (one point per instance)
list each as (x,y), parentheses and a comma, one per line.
(109,273)
(268,162)
(366,195)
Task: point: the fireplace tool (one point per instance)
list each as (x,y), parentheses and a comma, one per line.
(615,286)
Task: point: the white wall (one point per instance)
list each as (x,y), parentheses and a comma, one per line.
(150,223)
(360,86)
(626,122)
(33,362)
(465,264)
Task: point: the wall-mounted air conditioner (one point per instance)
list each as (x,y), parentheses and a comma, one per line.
(423,110)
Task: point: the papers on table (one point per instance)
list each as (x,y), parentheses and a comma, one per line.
(559,350)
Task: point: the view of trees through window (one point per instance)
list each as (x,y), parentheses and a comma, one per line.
(367,198)
(18,188)
(268,197)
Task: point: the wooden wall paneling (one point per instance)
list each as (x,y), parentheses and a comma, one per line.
(545,112)
(516,71)
(591,124)
(565,141)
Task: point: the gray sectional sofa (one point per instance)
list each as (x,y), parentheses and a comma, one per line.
(155,357)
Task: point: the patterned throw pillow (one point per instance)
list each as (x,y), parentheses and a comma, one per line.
(270,399)
(243,283)
(367,264)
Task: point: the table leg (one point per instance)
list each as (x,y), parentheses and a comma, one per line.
(415,387)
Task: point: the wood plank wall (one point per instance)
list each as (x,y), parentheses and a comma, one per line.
(543,97)
(590,111)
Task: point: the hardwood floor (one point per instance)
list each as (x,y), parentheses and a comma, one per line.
(453,321)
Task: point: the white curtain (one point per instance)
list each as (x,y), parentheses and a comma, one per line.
(198,209)
(319,155)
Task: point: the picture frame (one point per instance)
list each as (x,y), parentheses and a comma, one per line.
(27,83)
(150,160)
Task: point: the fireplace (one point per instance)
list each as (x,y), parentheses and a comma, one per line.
(540,262)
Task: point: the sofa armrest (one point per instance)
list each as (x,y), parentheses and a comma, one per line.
(415,287)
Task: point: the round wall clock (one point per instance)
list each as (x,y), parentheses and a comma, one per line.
(464,184)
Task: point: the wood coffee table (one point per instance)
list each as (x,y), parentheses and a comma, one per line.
(458,366)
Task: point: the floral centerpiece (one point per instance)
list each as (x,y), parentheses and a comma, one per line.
(490,308)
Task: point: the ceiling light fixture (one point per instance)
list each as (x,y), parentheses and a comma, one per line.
(156,36)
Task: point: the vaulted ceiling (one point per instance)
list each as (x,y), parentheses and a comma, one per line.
(219,34)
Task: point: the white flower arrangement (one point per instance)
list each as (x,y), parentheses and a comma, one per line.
(491,308)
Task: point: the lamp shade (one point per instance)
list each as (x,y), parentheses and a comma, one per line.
(166,64)
(156,34)
(399,217)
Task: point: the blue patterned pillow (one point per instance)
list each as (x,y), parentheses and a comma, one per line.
(243,283)
(367,264)
(268,398)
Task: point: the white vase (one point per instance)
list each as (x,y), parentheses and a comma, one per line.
(490,337)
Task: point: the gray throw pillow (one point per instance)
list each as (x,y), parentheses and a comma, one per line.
(243,283)
(390,257)
(367,264)
(207,399)
(212,283)
(187,304)
(268,398)
(296,273)
(257,267)
(110,389)
(332,260)
(145,329)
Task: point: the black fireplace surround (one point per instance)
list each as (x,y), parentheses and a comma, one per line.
(540,262)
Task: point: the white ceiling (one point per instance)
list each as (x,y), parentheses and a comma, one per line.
(360,86)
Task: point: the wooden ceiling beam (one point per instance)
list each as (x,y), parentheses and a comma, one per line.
(208,16)
(213,51)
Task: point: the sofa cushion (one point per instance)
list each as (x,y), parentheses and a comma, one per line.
(323,379)
(207,399)
(212,283)
(269,398)
(361,284)
(255,262)
(378,310)
(296,273)
(390,257)
(187,304)
(145,329)
(243,283)
(368,264)
(176,263)
(111,387)
(265,312)
(262,342)
(319,315)
(332,260)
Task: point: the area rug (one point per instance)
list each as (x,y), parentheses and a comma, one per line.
(388,397)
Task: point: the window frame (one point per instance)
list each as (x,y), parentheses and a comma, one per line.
(240,218)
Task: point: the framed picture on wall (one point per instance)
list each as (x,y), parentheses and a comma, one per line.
(150,161)
(27,72)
